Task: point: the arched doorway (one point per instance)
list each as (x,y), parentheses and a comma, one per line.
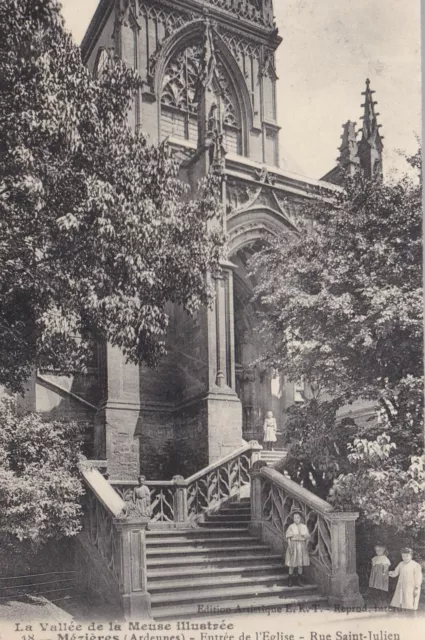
(256,387)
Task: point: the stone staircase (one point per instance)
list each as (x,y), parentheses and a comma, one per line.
(218,568)
(273,457)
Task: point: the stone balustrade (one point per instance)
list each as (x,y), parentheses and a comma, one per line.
(113,540)
(180,502)
(111,556)
(332,543)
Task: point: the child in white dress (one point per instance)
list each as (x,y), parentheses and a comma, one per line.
(408,588)
(270,429)
(379,576)
(297,536)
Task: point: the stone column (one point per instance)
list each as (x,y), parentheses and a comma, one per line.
(222,408)
(344,581)
(136,600)
(117,421)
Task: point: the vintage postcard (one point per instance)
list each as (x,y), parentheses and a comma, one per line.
(211,320)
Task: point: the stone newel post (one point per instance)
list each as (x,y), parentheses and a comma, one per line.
(180,501)
(255,526)
(344,581)
(132,553)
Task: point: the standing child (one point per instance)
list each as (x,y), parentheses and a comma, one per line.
(408,588)
(297,536)
(142,498)
(270,429)
(379,576)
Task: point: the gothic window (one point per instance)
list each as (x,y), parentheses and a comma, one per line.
(101,63)
(179,108)
(231,118)
(178,105)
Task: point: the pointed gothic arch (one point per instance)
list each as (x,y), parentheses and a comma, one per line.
(238,106)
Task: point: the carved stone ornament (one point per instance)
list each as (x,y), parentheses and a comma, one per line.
(138,503)
(240,195)
(269,67)
(258,11)
(263,175)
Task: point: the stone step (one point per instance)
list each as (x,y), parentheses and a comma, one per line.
(273,454)
(243,512)
(189,551)
(193,533)
(229,607)
(240,524)
(226,560)
(230,516)
(218,579)
(257,567)
(189,596)
(201,540)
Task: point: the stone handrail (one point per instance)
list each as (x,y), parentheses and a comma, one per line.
(239,452)
(296,490)
(183,502)
(113,548)
(332,542)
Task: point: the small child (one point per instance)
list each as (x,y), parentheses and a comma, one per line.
(270,428)
(408,588)
(297,555)
(379,576)
(142,499)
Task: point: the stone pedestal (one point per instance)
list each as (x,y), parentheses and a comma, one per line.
(344,581)
(136,601)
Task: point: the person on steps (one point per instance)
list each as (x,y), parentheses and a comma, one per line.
(297,536)
(270,429)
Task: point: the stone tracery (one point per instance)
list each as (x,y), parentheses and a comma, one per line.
(179,99)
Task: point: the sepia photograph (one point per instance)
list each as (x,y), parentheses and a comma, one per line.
(211,320)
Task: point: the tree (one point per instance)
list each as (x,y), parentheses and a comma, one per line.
(97,233)
(342,310)
(373,477)
(318,444)
(40,489)
(344,302)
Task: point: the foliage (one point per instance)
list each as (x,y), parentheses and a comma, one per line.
(39,484)
(344,301)
(97,233)
(342,310)
(177,457)
(384,493)
(318,444)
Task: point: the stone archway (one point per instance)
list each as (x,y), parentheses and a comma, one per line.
(254,385)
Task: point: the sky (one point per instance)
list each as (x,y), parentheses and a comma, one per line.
(329,48)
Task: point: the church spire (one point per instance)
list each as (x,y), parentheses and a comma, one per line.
(348,156)
(370,146)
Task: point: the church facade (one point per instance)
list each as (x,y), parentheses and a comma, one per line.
(209,87)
